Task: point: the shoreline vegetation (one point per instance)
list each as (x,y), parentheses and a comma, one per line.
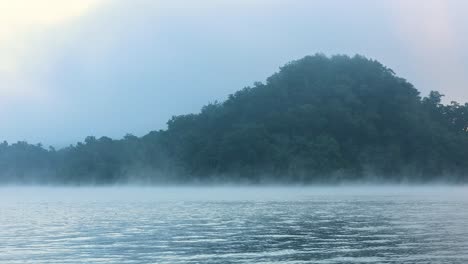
(320,119)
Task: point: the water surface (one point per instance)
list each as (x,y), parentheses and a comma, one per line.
(234,225)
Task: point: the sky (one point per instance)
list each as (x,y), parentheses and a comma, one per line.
(70,69)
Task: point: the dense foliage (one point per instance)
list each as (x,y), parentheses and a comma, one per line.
(319,119)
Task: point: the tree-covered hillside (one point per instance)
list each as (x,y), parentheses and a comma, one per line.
(319,119)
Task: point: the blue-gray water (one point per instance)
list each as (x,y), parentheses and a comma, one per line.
(234,225)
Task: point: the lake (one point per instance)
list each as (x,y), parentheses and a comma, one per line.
(234,225)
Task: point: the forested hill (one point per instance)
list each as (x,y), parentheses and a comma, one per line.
(319,119)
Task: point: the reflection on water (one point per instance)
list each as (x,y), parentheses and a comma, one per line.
(234,225)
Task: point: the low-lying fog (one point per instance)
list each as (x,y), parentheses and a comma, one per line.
(224,193)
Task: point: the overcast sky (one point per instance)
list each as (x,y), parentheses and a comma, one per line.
(69,69)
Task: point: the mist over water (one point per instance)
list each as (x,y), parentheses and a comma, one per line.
(168,148)
(392,224)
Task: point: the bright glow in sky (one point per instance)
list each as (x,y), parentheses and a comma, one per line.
(73,68)
(44,10)
(21,14)
(18,18)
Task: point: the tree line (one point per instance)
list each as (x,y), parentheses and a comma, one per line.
(318,119)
